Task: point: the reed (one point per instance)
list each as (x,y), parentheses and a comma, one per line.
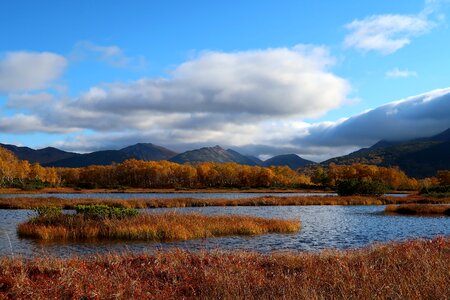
(418,209)
(150,227)
(408,270)
(31,202)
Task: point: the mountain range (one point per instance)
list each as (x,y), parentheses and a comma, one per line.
(418,158)
(52,157)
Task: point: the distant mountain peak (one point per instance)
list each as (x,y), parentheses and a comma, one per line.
(293,161)
(214,154)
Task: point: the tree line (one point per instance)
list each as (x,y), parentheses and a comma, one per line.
(164,174)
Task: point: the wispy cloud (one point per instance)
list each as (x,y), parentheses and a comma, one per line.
(397,73)
(387,33)
(111,55)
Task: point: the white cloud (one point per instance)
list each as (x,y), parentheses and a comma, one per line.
(212,91)
(414,117)
(386,33)
(269,82)
(23,71)
(111,55)
(397,73)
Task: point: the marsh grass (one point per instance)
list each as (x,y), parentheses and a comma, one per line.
(31,202)
(418,209)
(150,227)
(408,270)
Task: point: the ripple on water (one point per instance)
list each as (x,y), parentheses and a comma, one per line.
(322,227)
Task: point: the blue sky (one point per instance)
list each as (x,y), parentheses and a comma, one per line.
(263,77)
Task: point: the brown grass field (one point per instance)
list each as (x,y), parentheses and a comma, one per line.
(30,202)
(151,227)
(418,209)
(409,270)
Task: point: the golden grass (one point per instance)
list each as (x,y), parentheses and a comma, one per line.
(419,209)
(30,202)
(151,227)
(409,270)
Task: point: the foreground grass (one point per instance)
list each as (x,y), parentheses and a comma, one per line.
(418,209)
(409,270)
(30,202)
(151,227)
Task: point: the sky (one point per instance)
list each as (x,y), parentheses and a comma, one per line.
(315,78)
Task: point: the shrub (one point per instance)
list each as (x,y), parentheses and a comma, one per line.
(439,190)
(48,211)
(105,211)
(352,187)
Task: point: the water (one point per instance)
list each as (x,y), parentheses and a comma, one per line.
(230,195)
(323,227)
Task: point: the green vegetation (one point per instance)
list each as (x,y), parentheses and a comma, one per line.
(436,191)
(408,270)
(105,212)
(352,187)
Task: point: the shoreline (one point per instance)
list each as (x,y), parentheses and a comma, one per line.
(171,190)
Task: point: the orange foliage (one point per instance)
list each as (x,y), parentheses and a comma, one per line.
(392,177)
(11,168)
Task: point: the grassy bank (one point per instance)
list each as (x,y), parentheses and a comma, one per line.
(409,270)
(128,190)
(30,202)
(151,227)
(418,209)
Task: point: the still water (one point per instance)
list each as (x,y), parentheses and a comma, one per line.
(230,195)
(322,227)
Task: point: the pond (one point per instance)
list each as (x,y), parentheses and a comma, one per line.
(323,227)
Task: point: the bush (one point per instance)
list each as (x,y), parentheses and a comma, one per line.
(47,214)
(48,211)
(352,187)
(105,211)
(439,190)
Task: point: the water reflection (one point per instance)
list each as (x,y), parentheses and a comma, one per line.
(322,227)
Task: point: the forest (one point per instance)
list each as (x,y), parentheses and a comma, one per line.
(163,174)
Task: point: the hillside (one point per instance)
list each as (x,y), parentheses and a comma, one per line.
(42,156)
(100,158)
(293,161)
(214,154)
(148,151)
(419,158)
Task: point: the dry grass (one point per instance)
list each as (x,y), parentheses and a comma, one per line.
(30,202)
(409,270)
(419,209)
(151,227)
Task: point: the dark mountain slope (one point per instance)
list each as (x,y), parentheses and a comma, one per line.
(419,158)
(100,158)
(148,152)
(42,156)
(293,161)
